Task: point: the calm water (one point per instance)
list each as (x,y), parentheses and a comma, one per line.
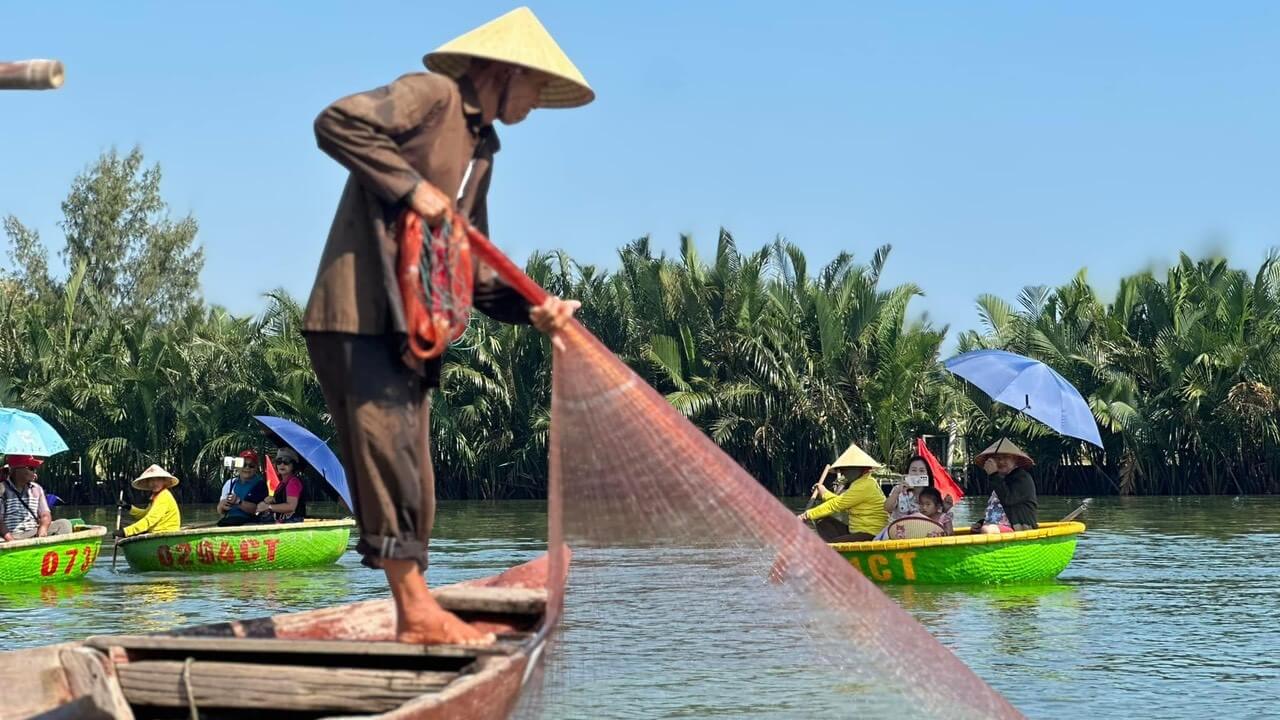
(1169,610)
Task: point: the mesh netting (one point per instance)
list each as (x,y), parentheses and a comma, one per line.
(693,592)
(434,272)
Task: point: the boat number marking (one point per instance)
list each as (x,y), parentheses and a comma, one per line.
(250,550)
(52,560)
(880,568)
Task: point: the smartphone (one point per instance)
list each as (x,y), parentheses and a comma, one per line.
(916,481)
(232,463)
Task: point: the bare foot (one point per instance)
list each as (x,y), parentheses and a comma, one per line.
(437,626)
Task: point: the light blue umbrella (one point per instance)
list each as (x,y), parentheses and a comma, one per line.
(1030,387)
(24,433)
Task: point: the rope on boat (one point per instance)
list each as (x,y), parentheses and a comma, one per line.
(186,685)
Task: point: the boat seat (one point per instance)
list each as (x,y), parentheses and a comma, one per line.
(307,676)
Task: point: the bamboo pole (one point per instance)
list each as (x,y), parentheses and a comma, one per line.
(31,75)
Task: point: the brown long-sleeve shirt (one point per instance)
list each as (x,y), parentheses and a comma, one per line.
(423,126)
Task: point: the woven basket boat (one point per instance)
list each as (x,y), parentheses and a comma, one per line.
(1024,556)
(284,546)
(56,558)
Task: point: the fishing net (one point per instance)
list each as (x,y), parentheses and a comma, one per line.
(693,592)
(434,272)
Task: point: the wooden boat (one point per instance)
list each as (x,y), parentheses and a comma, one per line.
(282,546)
(336,661)
(1024,556)
(50,559)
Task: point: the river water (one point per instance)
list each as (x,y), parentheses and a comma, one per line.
(1168,610)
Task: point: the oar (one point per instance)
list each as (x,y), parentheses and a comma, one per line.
(1084,504)
(115,549)
(813,497)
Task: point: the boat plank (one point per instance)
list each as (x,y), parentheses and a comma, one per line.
(514,601)
(160,683)
(44,683)
(91,675)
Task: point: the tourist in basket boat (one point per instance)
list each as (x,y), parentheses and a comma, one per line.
(241,495)
(862,501)
(1013,489)
(287,504)
(24,508)
(903,499)
(411,144)
(161,513)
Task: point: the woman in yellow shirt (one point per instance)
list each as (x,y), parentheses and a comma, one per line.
(862,501)
(162,514)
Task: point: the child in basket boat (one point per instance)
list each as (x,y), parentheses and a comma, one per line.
(929,507)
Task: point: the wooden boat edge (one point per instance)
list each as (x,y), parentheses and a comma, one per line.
(963,537)
(91,532)
(242,530)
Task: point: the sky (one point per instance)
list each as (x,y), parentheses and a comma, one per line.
(994,145)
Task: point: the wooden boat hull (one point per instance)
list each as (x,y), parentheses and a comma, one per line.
(238,549)
(330,662)
(50,559)
(966,558)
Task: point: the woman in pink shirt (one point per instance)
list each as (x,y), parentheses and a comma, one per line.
(287,504)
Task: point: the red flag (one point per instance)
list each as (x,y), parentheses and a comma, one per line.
(273,481)
(941,479)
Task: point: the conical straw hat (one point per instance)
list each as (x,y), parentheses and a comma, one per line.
(517,38)
(155,471)
(1005,446)
(854,457)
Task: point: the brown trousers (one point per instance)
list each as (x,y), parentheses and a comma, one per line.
(382,412)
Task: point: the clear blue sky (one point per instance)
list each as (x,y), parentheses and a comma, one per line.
(994,144)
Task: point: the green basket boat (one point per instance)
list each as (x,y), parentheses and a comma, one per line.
(234,549)
(1024,556)
(57,558)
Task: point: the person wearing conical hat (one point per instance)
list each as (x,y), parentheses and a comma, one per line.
(862,501)
(161,514)
(424,142)
(1013,504)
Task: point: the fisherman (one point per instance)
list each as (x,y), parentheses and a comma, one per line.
(161,514)
(411,144)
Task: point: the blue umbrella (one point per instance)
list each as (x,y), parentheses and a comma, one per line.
(24,433)
(1031,387)
(313,450)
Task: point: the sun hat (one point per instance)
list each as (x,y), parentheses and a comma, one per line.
(854,457)
(287,453)
(27,461)
(1005,446)
(155,471)
(517,38)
